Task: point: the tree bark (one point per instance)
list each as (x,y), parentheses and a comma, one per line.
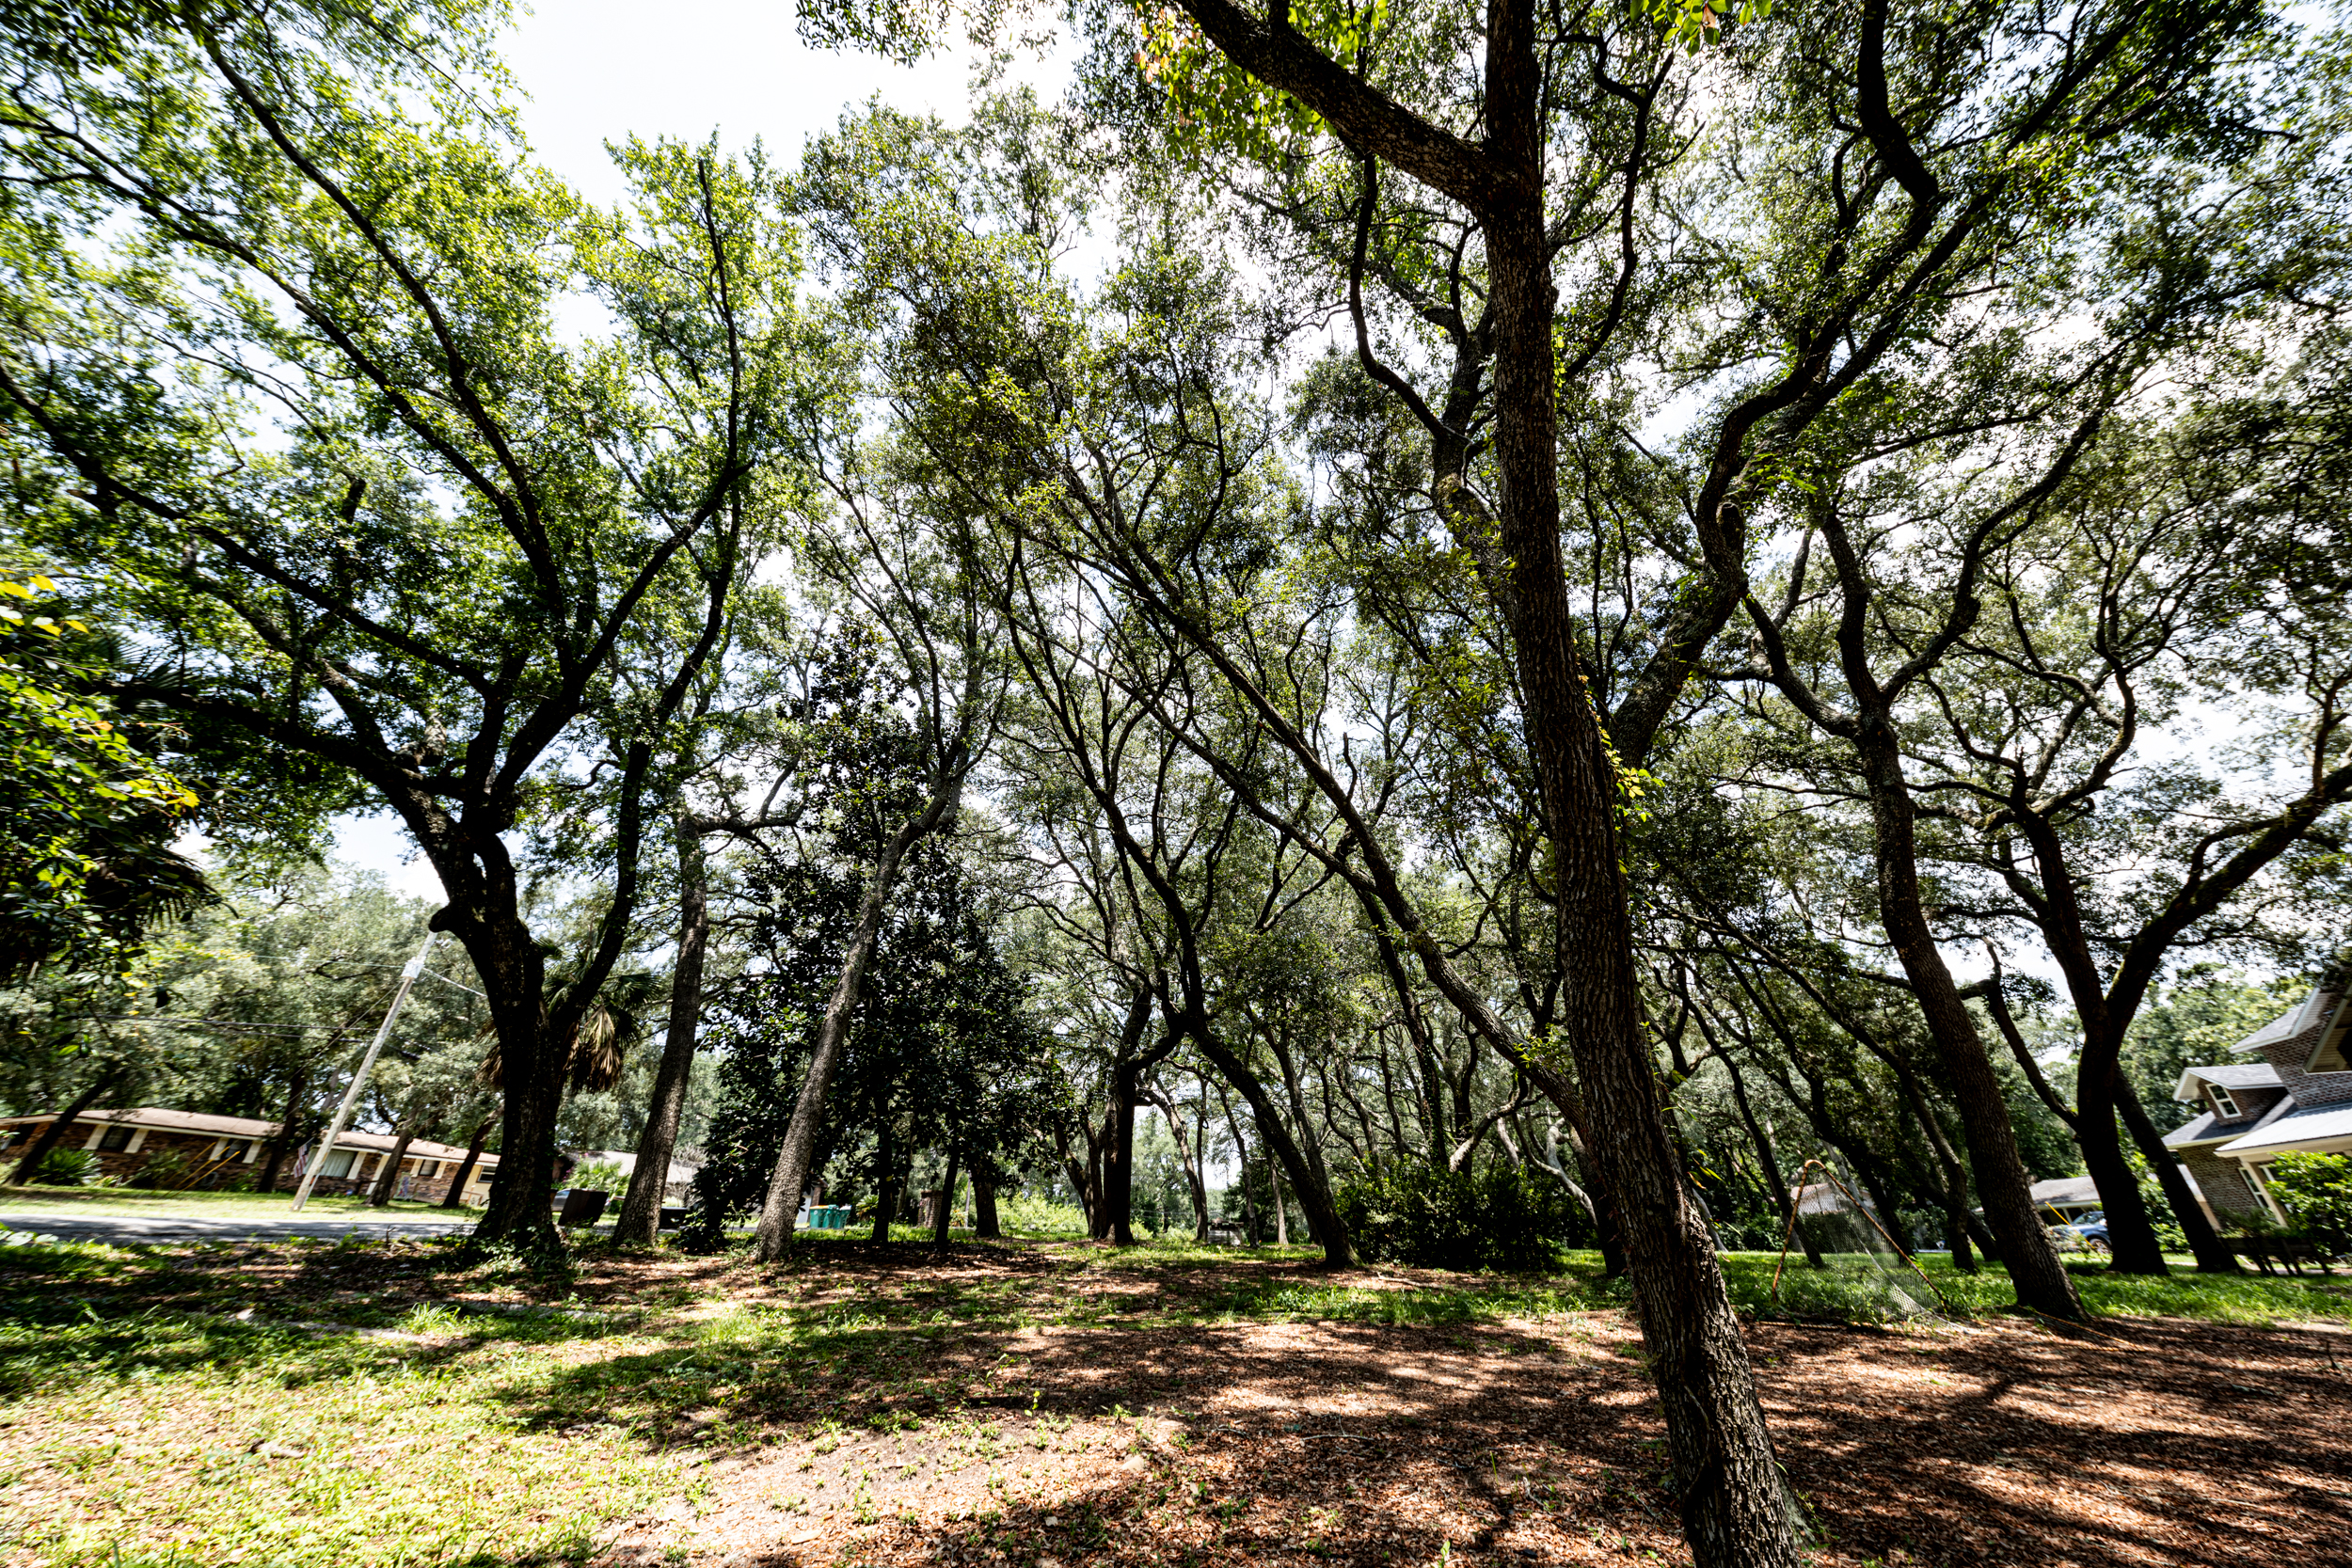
(2213,1254)
(454,1197)
(799,1136)
(941,1221)
(51,1135)
(2034,1268)
(641,1206)
(886,1197)
(380,1195)
(281,1144)
(984,1227)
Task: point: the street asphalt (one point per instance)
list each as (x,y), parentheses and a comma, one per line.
(124,1229)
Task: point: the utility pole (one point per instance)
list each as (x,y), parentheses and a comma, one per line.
(359,1079)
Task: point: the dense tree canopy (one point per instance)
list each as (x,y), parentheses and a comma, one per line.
(1408,620)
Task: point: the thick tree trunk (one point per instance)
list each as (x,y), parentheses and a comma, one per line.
(984,1227)
(52,1135)
(799,1136)
(380,1195)
(533,1060)
(2034,1269)
(1736,1510)
(456,1196)
(288,1130)
(941,1221)
(641,1206)
(2213,1254)
(1119,1159)
(886,1199)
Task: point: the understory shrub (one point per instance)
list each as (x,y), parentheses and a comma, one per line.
(1497,1218)
(66,1167)
(2318,1190)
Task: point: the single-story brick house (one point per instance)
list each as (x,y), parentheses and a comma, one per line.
(223,1151)
(2290,1089)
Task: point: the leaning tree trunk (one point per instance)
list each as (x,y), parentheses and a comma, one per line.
(2213,1254)
(51,1135)
(1736,1508)
(1338,1248)
(287,1129)
(380,1195)
(799,1136)
(641,1206)
(456,1196)
(2041,1279)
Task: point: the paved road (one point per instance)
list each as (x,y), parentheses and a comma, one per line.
(276,1226)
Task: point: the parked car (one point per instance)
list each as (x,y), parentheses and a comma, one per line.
(2092,1227)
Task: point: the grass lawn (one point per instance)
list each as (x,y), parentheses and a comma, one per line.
(140,1200)
(385,1404)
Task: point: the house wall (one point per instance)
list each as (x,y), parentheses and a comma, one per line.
(142,1146)
(2223,1183)
(2309,1088)
(2253,1104)
(414,1183)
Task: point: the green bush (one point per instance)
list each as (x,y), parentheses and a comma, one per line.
(66,1167)
(2318,1190)
(1498,1218)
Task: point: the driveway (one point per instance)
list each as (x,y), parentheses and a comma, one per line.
(125,1229)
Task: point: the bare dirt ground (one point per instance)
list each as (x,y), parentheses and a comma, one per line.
(1136,1438)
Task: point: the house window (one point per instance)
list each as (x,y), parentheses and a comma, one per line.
(2254,1186)
(337,1164)
(232,1148)
(115,1140)
(2223,1105)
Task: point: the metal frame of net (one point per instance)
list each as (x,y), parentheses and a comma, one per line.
(1865,1272)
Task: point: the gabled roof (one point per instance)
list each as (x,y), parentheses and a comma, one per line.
(2202,1130)
(2235,1075)
(2063,1191)
(2286,1025)
(2327,1128)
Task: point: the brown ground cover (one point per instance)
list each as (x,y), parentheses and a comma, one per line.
(1052,1406)
(1132,1441)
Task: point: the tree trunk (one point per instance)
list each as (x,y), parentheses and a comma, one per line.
(2213,1254)
(1735,1507)
(1281,1210)
(886,1199)
(380,1195)
(984,1210)
(532,1059)
(2034,1269)
(281,1144)
(799,1136)
(454,1197)
(1241,1168)
(1119,1158)
(1338,1249)
(641,1206)
(55,1133)
(946,1202)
